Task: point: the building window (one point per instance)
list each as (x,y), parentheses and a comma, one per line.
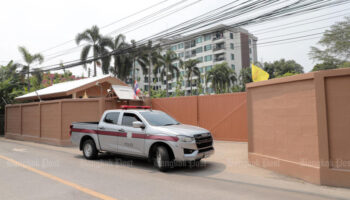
(193,43)
(201,70)
(208,58)
(182,73)
(175,64)
(174,48)
(207,47)
(233,67)
(249,41)
(250,50)
(207,37)
(180,45)
(232,56)
(187,44)
(146,79)
(199,50)
(187,54)
(232,46)
(200,59)
(231,35)
(198,40)
(208,68)
(180,55)
(146,87)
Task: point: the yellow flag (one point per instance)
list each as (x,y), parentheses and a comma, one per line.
(259,74)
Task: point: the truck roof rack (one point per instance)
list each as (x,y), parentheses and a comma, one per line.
(135,107)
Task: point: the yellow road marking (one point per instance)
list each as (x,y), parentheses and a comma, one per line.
(55,178)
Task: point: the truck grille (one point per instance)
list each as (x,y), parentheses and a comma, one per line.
(203,140)
(205,150)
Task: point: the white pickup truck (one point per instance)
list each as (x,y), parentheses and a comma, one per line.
(142,132)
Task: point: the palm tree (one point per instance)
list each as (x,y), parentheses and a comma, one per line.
(191,69)
(117,45)
(98,44)
(222,77)
(135,54)
(166,67)
(149,57)
(29,59)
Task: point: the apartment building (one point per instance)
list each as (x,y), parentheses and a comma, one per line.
(235,46)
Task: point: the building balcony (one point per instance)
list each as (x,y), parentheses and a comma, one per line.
(219,58)
(217,48)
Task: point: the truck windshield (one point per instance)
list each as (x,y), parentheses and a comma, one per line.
(159,119)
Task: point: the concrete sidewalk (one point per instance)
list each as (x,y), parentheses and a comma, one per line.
(228,164)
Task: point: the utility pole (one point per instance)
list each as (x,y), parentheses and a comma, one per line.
(149,75)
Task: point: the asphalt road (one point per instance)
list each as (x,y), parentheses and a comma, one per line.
(34,171)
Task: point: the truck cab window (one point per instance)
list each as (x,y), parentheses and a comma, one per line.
(112,118)
(129,118)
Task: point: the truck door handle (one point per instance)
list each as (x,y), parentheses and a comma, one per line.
(102,128)
(121,130)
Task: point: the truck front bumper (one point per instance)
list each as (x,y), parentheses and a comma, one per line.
(197,154)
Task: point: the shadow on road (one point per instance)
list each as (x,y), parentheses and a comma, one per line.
(202,168)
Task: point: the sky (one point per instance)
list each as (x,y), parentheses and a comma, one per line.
(40,25)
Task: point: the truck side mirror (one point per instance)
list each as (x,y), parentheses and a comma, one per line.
(138,124)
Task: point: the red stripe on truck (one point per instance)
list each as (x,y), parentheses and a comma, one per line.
(112,133)
(134,135)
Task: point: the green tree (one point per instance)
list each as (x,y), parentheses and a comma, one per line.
(150,56)
(98,43)
(335,43)
(222,78)
(167,68)
(37,79)
(11,84)
(281,67)
(178,90)
(245,76)
(122,65)
(29,59)
(324,66)
(191,70)
(286,74)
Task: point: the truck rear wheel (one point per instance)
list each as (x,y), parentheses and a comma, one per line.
(89,149)
(161,159)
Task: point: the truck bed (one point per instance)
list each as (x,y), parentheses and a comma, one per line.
(85,125)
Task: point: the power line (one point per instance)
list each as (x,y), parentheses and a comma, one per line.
(303,23)
(318,37)
(73,64)
(107,25)
(294,33)
(303,20)
(58,54)
(212,14)
(264,16)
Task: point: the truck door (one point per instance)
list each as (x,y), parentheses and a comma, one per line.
(108,132)
(134,142)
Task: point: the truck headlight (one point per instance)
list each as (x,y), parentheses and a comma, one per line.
(183,138)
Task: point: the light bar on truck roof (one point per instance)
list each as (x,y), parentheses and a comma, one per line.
(135,107)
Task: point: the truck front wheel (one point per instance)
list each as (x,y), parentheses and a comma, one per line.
(161,159)
(89,149)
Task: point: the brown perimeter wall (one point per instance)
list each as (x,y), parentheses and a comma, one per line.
(49,121)
(300,126)
(224,115)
